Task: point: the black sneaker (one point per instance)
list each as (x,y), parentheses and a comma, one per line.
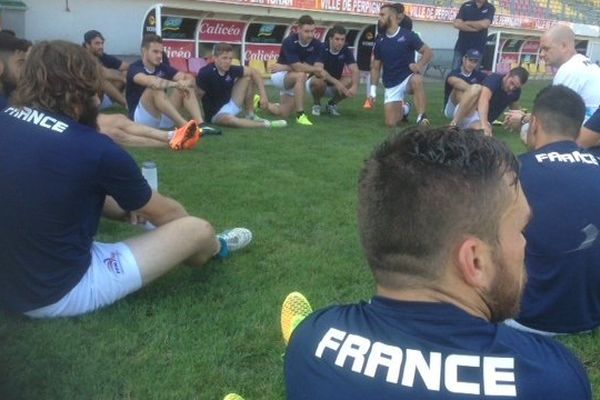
(209,130)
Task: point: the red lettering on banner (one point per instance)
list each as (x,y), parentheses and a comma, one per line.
(177,49)
(212,30)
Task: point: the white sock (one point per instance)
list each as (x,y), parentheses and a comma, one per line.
(170,135)
(267,123)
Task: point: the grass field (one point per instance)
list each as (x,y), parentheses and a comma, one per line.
(201,333)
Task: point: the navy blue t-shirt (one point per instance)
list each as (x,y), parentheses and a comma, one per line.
(133,91)
(109,61)
(396,53)
(54,176)
(217,87)
(562,256)
(334,63)
(477,76)
(393,350)
(293,52)
(500,99)
(473,40)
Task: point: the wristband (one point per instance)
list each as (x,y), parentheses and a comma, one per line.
(373,91)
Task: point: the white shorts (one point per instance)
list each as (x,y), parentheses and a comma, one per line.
(228,109)
(330,91)
(396,93)
(112,275)
(278,80)
(141,116)
(450,111)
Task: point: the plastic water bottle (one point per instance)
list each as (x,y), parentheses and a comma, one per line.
(150,173)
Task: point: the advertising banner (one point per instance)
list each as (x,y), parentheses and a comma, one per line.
(214,31)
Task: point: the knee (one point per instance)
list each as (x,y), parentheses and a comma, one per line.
(475,88)
(300,78)
(201,232)
(416,80)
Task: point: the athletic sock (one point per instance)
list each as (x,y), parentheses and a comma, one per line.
(170,135)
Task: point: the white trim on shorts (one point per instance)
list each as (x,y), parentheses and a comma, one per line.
(450,111)
(515,325)
(142,116)
(228,109)
(112,275)
(396,93)
(330,90)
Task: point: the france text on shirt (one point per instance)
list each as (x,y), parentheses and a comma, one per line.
(572,157)
(38,118)
(366,358)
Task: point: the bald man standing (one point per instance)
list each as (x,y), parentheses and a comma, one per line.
(576,72)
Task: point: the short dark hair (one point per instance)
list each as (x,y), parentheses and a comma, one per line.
(58,77)
(399,8)
(221,48)
(10,44)
(423,190)
(337,28)
(521,73)
(305,20)
(560,110)
(9,32)
(391,6)
(91,35)
(150,38)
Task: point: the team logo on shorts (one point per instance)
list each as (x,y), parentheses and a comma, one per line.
(113,263)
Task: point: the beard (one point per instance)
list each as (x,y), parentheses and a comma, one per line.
(8,85)
(504,297)
(89,114)
(382,26)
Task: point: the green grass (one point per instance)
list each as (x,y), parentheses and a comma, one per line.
(201,333)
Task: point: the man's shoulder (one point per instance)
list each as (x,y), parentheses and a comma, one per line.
(206,70)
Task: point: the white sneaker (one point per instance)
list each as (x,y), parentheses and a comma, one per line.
(278,123)
(236,238)
(332,110)
(316,110)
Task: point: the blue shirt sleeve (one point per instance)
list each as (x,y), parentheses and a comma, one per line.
(169,71)
(120,177)
(491,12)
(236,71)
(290,53)
(376,51)
(110,62)
(493,82)
(133,70)
(415,41)
(322,55)
(349,57)
(202,78)
(461,12)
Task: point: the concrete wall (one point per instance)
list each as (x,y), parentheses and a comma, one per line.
(13,20)
(119,21)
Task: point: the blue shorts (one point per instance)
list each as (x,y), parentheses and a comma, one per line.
(593,123)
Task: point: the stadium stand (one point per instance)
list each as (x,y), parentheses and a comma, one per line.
(580,11)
